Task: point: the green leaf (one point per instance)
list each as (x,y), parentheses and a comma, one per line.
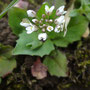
(9,6)
(6,66)
(15,17)
(88,16)
(5,51)
(34,44)
(7,62)
(74,13)
(76,29)
(39,49)
(41,11)
(84,3)
(57,64)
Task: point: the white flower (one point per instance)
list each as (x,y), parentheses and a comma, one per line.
(31,29)
(60,11)
(34,20)
(57,29)
(50,28)
(31,13)
(49,10)
(42,36)
(25,22)
(60,20)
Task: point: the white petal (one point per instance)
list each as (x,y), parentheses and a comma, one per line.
(29,28)
(57,29)
(52,8)
(25,22)
(42,36)
(29,32)
(35,28)
(50,28)
(31,13)
(49,10)
(34,20)
(46,8)
(61,8)
(60,11)
(64,12)
(62,26)
(59,20)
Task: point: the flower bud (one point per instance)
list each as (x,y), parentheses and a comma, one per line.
(42,19)
(41,26)
(40,22)
(43,16)
(43,30)
(50,20)
(46,20)
(44,25)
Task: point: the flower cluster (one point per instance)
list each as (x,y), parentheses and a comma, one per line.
(46,24)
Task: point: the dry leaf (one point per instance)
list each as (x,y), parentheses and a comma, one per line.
(39,70)
(22,4)
(86,34)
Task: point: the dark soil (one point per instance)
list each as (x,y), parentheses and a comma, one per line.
(21,78)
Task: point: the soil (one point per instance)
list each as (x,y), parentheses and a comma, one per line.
(22,79)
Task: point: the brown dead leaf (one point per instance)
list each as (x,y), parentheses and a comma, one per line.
(86,34)
(22,4)
(39,70)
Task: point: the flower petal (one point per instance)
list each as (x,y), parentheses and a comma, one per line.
(25,22)
(57,29)
(52,8)
(42,36)
(46,8)
(60,11)
(31,13)
(60,20)
(34,20)
(50,28)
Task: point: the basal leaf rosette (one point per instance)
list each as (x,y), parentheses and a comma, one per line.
(39,32)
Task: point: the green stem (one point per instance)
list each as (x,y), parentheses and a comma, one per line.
(8,7)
